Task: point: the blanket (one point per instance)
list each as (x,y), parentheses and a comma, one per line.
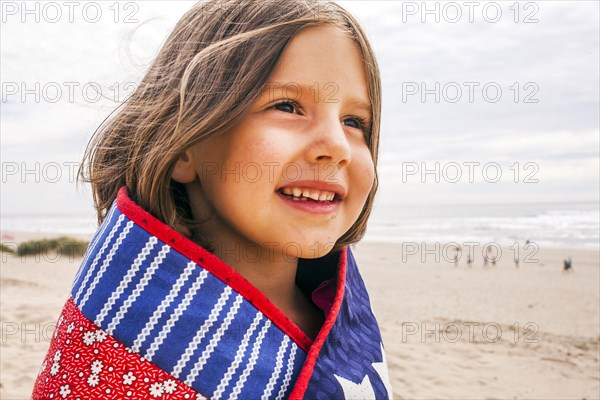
(153,315)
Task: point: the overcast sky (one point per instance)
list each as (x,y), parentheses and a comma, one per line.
(517,87)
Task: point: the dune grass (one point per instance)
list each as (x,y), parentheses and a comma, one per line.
(63,245)
(6,249)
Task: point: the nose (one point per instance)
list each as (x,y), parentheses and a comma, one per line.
(330,143)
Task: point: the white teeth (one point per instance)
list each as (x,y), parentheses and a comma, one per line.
(300,194)
(314,196)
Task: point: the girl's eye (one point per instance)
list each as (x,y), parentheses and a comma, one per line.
(355,122)
(286,106)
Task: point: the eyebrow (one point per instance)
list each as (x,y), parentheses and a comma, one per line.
(366,106)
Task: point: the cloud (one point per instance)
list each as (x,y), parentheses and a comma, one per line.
(554,61)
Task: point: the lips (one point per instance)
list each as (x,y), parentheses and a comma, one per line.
(315,191)
(313,197)
(305,194)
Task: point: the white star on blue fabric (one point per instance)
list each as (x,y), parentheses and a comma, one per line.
(356,391)
(382,371)
(364,390)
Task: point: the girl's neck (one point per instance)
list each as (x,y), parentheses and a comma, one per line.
(275,277)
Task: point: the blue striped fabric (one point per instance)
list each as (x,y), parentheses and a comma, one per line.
(182,318)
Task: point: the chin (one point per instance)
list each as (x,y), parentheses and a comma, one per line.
(316,249)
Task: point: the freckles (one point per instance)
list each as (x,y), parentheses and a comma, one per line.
(365,171)
(258,147)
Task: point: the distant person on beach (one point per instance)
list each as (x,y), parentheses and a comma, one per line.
(469,261)
(568,266)
(456,255)
(517,262)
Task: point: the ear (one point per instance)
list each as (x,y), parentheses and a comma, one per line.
(184,171)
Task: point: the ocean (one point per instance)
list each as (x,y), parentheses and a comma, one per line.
(551,225)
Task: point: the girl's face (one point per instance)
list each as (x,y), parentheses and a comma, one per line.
(294,174)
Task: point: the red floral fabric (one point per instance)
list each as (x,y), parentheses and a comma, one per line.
(84,362)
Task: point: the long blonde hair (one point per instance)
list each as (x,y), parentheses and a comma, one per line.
(212,66)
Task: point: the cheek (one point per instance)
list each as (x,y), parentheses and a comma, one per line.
(363,173)
(248,174)
(254,150)
(265,161)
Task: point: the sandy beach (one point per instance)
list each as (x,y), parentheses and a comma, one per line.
(450,332)
(487,332)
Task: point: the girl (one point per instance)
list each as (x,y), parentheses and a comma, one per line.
(228,188)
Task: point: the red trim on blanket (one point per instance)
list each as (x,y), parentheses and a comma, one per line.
(213,265)
(311,359)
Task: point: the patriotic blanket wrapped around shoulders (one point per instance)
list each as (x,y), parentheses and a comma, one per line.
(153,315)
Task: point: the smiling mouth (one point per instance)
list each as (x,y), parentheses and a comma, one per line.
(310,195)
